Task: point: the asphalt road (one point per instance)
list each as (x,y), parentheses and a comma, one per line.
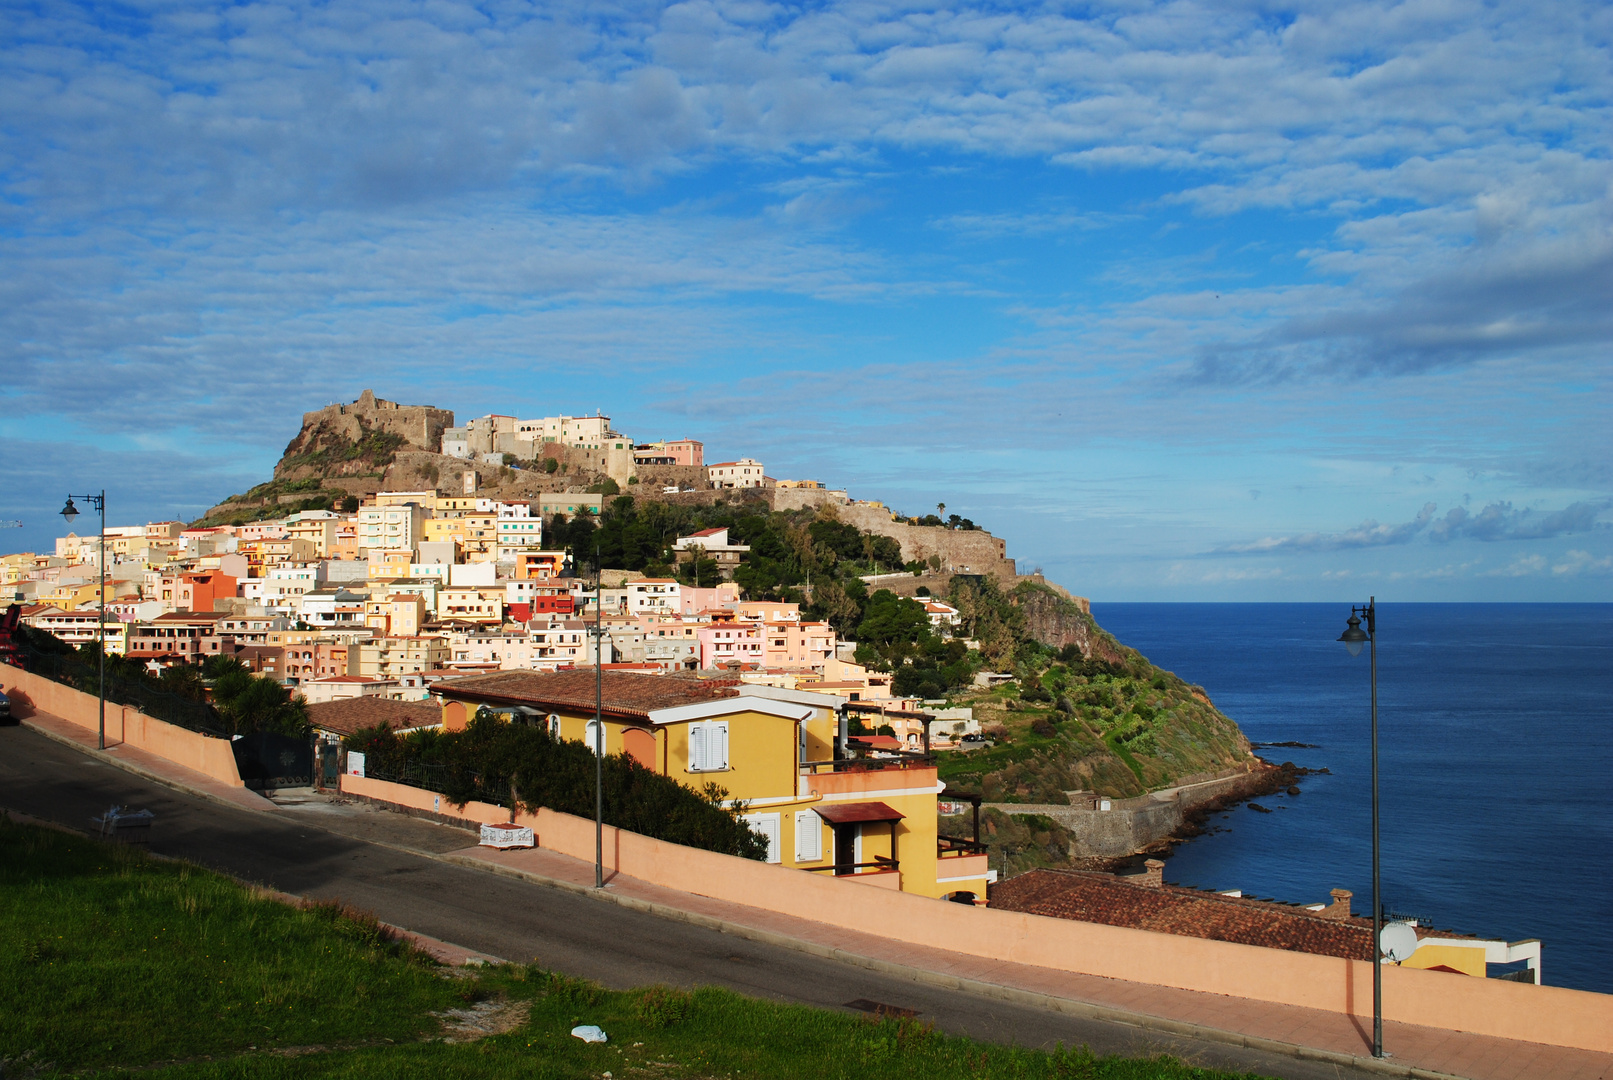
(325,852)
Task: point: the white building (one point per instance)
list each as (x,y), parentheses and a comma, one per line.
(744,473)
(653,596)
(389,528)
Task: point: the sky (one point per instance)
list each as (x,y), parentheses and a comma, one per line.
(1187,301)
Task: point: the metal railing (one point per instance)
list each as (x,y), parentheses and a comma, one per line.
(136,692)
(957,845)
(850,869)
(889,759)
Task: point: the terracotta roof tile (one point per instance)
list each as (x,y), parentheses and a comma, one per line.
(352,714)
(1114,901)
(625,693)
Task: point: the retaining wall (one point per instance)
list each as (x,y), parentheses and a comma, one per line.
(125,725)
(1508,1010)
(1129,825)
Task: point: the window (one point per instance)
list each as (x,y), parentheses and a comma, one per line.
(708,746)
(768,826)
(808,837)
(554,725)
(591,734)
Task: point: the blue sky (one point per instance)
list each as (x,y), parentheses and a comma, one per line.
(1189,301)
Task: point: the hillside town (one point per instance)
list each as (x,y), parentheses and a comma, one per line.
(400,589)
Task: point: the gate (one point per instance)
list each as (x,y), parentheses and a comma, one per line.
(269,760)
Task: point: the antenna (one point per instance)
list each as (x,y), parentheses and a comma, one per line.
(1398,940)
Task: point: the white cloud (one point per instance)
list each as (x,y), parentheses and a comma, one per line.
(1577,562)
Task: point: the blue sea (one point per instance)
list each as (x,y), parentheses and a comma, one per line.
(1495,754)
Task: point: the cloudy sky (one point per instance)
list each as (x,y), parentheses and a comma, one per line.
(1189,301)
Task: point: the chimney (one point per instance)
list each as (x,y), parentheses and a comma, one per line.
(1153,875)
(1340,907)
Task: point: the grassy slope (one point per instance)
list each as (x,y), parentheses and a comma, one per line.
(112,964)
(1125,735)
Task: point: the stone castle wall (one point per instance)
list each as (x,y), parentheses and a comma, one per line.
(421,425)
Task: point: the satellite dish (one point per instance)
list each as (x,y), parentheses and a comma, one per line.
(1398,941)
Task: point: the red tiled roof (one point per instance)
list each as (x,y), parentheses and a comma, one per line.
(625,693)
(1114,901)
(350,715)
(848,813)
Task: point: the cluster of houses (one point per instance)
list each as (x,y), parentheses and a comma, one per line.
(416,587)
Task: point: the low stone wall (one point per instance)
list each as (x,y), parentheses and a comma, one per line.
(125,726)
(1129,825)
(1507,1010)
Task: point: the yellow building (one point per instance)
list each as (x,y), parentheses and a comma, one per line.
(438,530)
(773,750)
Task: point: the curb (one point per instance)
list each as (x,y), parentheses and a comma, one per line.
(138,770)
(978,988)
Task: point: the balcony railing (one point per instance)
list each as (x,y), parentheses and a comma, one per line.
(887,759)
(879,865)
(957,845)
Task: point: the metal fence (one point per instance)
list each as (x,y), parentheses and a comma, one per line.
(70,669)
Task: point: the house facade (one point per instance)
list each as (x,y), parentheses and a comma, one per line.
(867,822)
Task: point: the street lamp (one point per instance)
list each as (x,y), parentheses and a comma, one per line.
(599,719)
(1354,637)
(70,512)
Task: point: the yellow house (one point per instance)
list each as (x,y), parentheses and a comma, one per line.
(869,821)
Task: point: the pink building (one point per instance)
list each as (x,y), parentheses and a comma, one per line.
(671,452)
(725,643)
(797,644)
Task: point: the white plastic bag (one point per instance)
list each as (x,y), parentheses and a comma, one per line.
(588,1033)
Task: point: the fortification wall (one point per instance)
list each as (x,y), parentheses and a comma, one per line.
(421,425)
(960,552)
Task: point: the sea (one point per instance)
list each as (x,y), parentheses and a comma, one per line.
(1495,749)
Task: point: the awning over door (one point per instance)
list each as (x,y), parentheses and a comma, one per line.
(852,813)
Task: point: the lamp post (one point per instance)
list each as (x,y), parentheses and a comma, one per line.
(1354,637)
(70,512)
(599,719)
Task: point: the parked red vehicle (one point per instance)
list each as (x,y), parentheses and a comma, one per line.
(9,653)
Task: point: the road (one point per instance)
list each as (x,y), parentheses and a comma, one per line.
(322,852)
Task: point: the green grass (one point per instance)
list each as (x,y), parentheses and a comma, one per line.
(109,956)
(113,964)
(720,1035)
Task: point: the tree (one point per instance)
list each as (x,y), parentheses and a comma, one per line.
(941,509)
(889,619)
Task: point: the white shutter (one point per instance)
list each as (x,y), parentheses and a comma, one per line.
(768,826)
(720,755)
(591,734)
(808,837)
(697,747)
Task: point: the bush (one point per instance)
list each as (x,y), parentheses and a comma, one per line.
(661,1006)
(497,762)
(1044,727)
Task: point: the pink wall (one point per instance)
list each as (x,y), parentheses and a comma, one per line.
(1546,1014)
(124,725)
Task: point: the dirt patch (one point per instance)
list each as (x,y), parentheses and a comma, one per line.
(495,1016)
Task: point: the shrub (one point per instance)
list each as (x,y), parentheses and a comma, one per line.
(1044,727)
(661,1006)
(498,762)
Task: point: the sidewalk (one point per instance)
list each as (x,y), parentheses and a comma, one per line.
(145,764)
(1291,1030)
